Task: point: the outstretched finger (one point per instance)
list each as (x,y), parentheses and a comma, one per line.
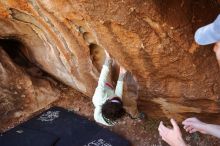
(173,122)
(160,126)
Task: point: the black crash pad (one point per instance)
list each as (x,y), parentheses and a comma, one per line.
(71,129)
(20,136)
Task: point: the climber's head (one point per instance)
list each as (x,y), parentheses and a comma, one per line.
(113,110)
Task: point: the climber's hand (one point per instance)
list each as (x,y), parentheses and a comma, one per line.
(107,54)
(122,70)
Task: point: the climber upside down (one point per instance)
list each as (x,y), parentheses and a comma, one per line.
(107,101)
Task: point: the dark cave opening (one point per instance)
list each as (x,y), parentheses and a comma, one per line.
(13,48)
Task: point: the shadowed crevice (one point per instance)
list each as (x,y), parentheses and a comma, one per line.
(13,48)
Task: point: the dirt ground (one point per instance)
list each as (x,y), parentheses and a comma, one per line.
(140,133)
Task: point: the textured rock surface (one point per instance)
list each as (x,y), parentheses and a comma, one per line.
(151,39)
(20,93)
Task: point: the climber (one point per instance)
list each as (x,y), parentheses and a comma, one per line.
(205,35)
(108,103)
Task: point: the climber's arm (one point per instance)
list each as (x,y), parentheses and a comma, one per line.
(119,86)
(99,92)
(105,72)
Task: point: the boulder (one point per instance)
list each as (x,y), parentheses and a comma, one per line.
(171,74)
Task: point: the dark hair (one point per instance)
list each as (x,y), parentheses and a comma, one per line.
(112,111)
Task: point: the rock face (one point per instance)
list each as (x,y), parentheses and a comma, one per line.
(20,93)
(152,39)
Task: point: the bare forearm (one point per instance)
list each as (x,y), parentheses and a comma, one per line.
(213,130)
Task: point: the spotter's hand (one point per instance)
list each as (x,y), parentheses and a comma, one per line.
(172,136)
